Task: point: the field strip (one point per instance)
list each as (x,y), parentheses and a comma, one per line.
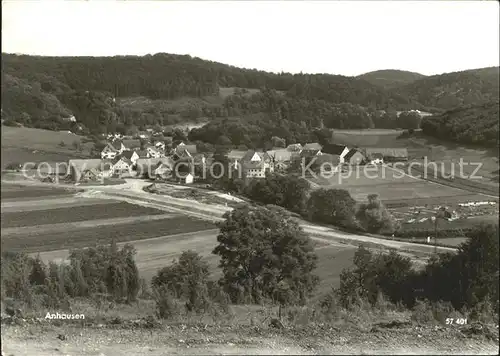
(441,184)
(39,204)
(37,197)
(160,245)
(16,231)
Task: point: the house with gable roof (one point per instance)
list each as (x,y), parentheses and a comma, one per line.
(121,165)
(256,164)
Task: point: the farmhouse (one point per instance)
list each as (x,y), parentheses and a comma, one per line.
(132,144)
(154,152)
(340,150)
(354,157)
(77,167)
(121,165)
(235,157)
(130,155)
(91,174)
(182,150)
(327,162)
(256,164)
(388,154)
(294,147)
(160,145)
(112,149)
(310,153)
(281,158)
(164,169)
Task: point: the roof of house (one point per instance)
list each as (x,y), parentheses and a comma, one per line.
(376,155)
(121,158)
(308,153)
(117,144)
(313,146)
(81,165)
(142,153)
(236,154)
(127,154)
(250,153)
(110,147)
(153,162)
(189,148)
(326,157)
(333,148)
(132,143)
(351,153)
(281,155)
(294,147)
(387,152)
(94,171)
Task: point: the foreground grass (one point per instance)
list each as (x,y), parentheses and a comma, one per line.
(243,329)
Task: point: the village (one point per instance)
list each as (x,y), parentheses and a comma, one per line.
(156,159)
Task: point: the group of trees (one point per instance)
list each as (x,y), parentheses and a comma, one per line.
(328,206)
(92,271)
(476,124)
(466,279)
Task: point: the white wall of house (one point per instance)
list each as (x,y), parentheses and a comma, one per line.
(134,157)
(377,161)
(108,154)
(189,179)
(121,167)
(343,154)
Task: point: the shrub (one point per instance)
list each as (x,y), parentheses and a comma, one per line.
(186,279)
(166,306)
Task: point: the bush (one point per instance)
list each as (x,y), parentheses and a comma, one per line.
(186,279)
(422,312)
(166,305)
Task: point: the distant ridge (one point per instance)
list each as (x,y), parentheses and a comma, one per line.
(390,78)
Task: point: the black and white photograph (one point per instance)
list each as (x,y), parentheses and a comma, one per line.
(250,177)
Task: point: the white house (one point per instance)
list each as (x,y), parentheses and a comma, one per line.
(160,145)
(340,150)
(153,152)
(109,151)
(187,179)
(130,155)
(256,164)
(121,165)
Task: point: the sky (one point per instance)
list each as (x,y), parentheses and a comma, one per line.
(336,37)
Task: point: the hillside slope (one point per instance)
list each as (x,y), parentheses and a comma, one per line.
(450,90)
(182,75)
(390,78)
(476,124)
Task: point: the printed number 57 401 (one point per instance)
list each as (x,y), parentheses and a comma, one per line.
(457,321)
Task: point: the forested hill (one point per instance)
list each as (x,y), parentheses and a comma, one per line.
(474,124)
(45,92)
(450,90)
(390,78)
(170,76)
